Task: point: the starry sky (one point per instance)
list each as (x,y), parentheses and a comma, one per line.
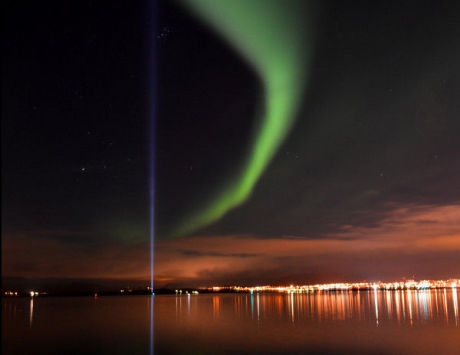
(296,142)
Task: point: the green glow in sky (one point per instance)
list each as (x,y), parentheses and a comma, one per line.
(272,36)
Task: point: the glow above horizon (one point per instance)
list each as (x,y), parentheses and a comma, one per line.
(272,37)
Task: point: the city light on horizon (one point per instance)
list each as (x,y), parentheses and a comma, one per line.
(340,286)
(420,285)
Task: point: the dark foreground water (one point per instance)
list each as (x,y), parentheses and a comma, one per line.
(366,322)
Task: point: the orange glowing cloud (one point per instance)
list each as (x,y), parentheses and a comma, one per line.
(421,231)
(417,227)
(408,239)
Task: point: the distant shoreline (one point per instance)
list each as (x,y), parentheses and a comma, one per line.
(312,289)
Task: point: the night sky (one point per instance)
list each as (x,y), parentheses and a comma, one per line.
(295,142)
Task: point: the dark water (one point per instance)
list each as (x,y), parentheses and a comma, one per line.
(366,322)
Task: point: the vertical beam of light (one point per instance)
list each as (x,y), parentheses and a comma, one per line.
(152,8)
(272,37)
(152,216)
(152,37)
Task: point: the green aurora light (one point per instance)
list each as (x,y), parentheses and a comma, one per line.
(272,36)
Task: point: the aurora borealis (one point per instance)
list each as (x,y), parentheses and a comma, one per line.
(275,40)
(293,143)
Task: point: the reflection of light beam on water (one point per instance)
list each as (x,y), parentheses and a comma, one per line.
(152,305)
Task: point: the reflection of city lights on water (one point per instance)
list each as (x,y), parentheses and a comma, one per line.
(377,304)
(423,304)
(252,305)
(454,298)
(31,312)
(445,306)
(258,307)
(376,307)
(409,298)
(388,297)
(398,305)
(216,308)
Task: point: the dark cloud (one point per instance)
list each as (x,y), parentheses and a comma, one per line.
(196,253)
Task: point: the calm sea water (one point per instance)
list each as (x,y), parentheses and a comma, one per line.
(366,322)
